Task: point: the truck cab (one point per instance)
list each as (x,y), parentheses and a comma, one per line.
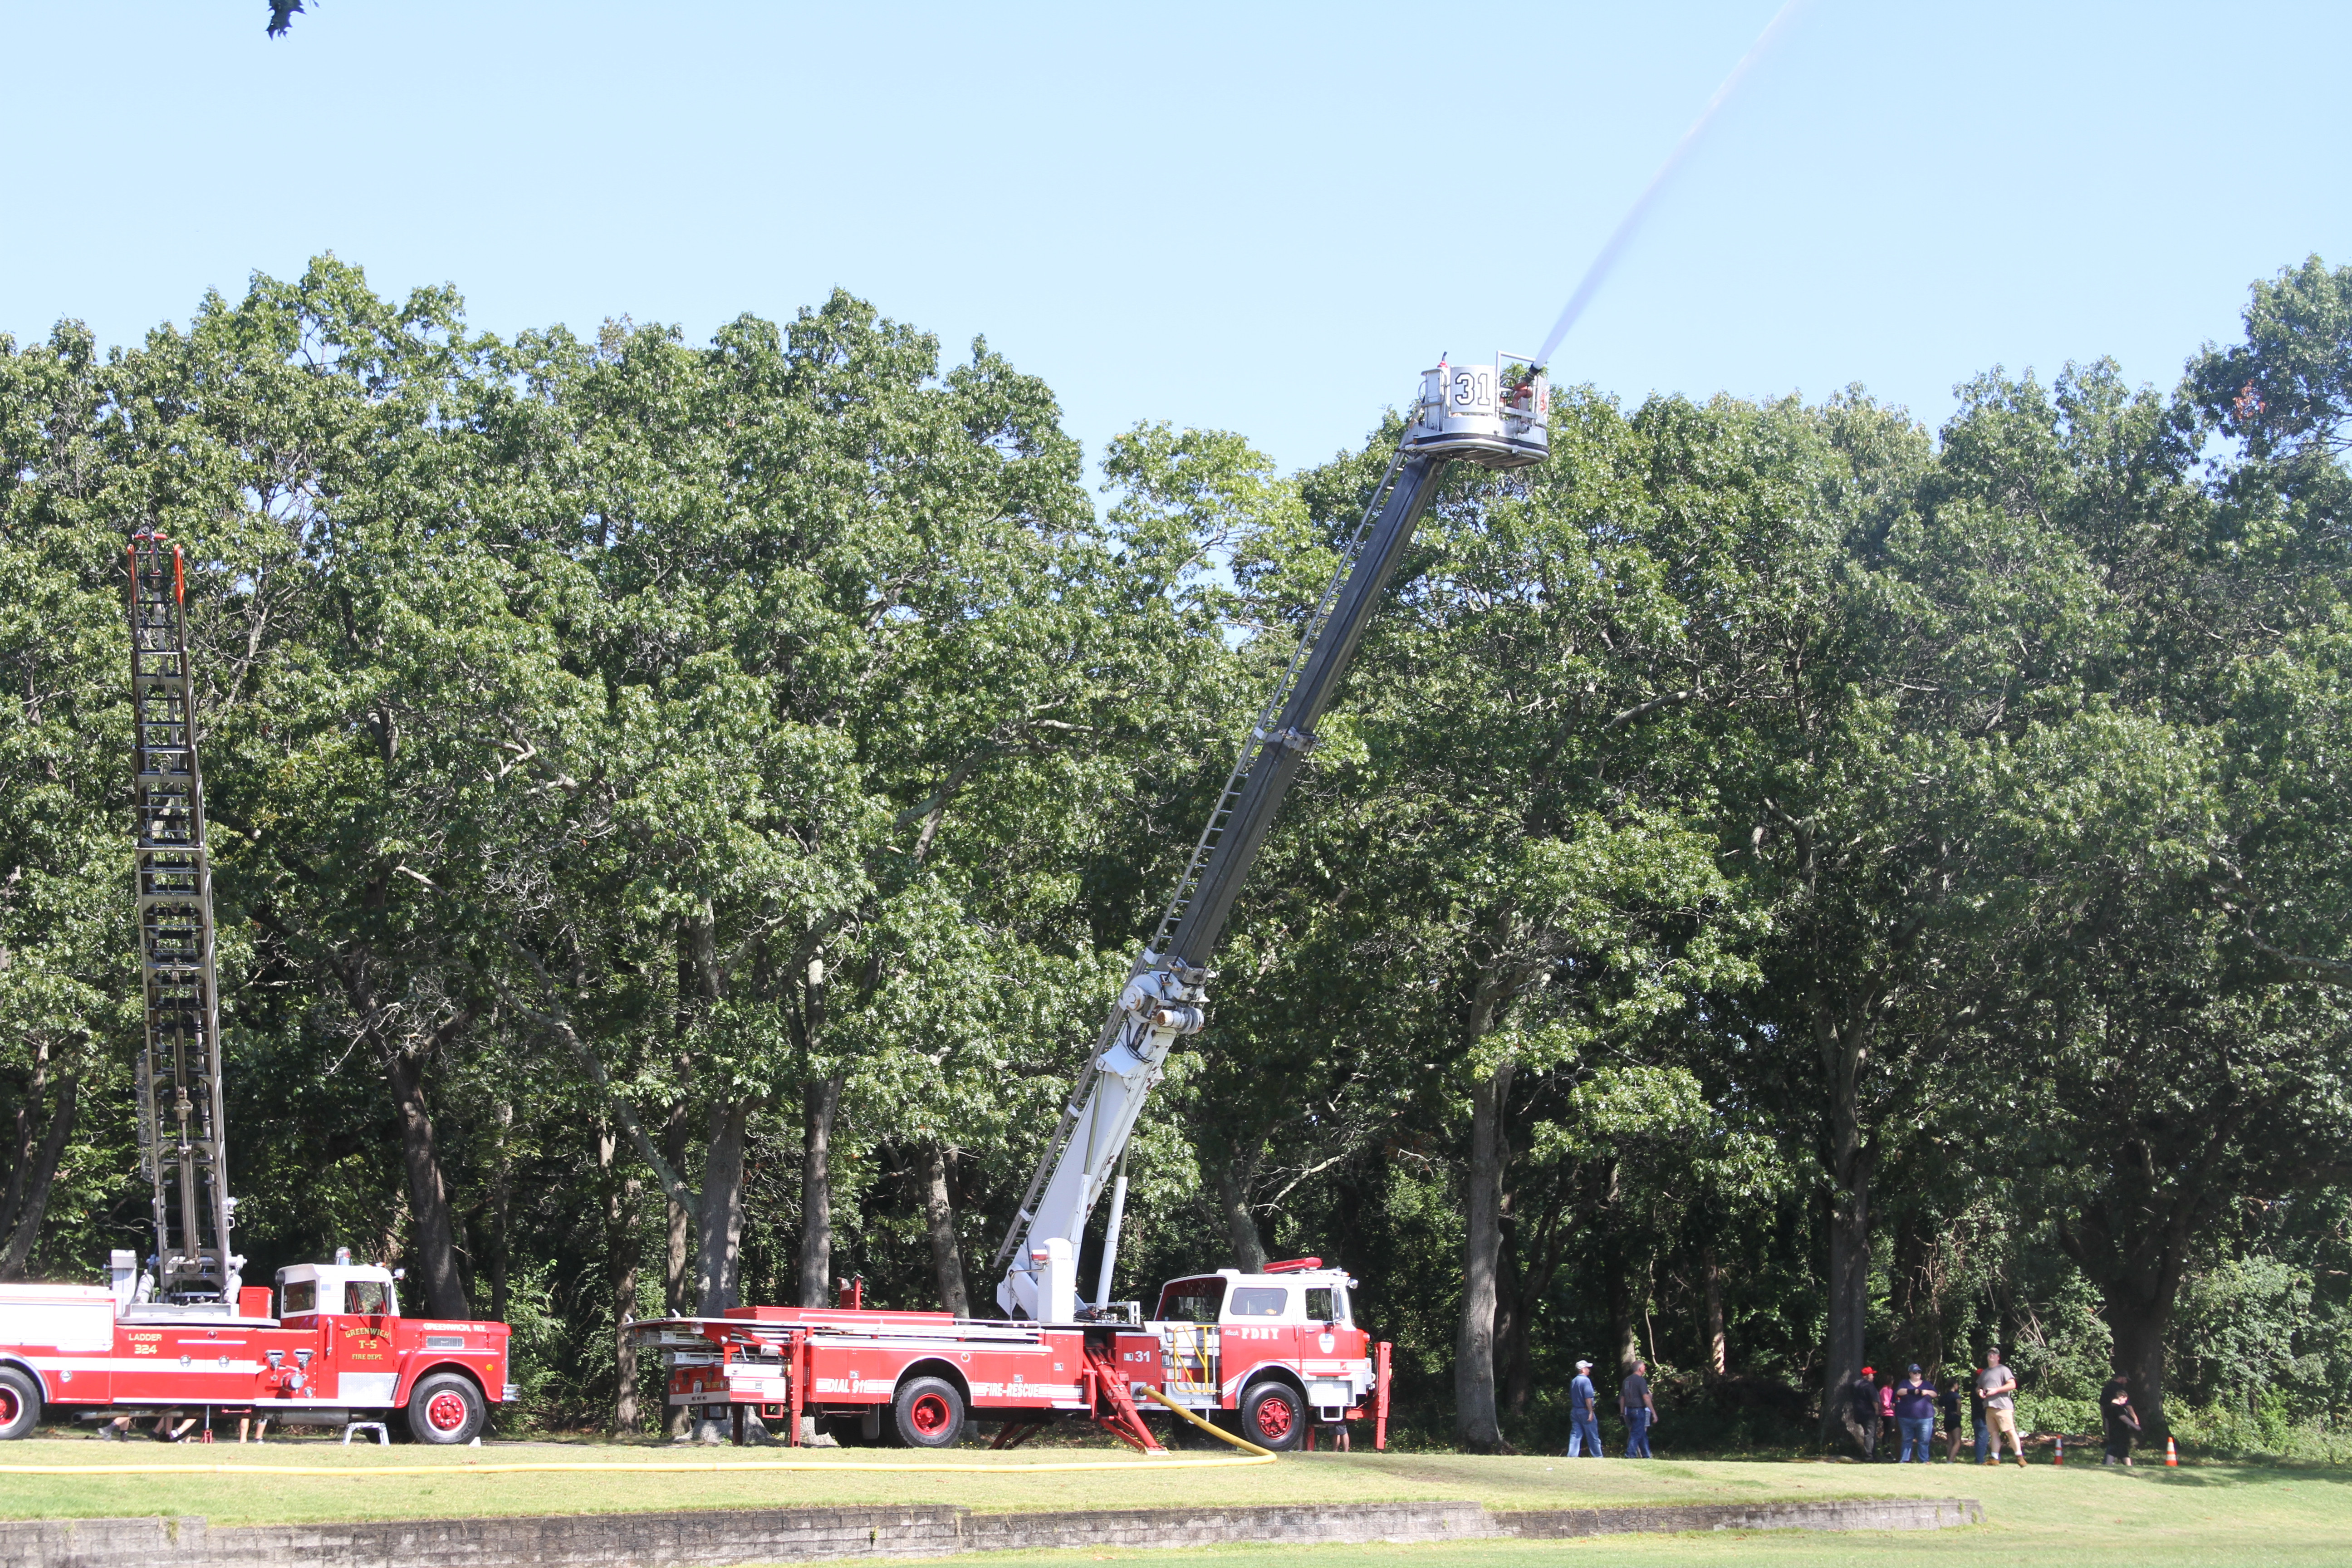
(1280,1348)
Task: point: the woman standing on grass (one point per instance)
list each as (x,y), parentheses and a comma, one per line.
(1915,1415)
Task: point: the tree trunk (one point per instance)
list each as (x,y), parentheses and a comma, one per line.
(2135,1247)
(674,1134)
(720,1225)
(428,1198)
(1512,1378)
(1849,1211)
(1532,1254)
(25,1144)
(1232,1173)
(621,1275)
(1624,1313)
(32,1197)
(2138,1325)
(677,1260)
(1849,1284)
(1475,1415)
(824,1100)
(1714,1349)
(938,1214)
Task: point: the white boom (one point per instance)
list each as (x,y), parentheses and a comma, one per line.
(1497,416)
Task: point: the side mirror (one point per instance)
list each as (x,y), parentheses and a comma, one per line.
(398,1275)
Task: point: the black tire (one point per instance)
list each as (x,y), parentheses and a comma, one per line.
(444,1407)
(20,1403)
(929,1414)
(1273,1417)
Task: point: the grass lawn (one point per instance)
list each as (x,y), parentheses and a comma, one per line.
(2222,1516)
(2240,1516)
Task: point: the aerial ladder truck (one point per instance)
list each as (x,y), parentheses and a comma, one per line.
(185,1334)
(1273,1353)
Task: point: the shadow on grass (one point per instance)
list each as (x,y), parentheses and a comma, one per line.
(2229,1473)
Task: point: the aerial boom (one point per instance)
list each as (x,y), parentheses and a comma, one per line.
(1495,415)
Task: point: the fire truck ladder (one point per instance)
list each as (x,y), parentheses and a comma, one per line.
(181,1130)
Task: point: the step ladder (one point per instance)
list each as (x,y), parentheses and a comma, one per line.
(182,1128)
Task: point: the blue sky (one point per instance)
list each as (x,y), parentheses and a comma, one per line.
(1265,218)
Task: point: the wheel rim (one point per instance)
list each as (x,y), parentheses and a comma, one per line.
(444,1412)
(1273,1417)
(929,1415)
(10,1406)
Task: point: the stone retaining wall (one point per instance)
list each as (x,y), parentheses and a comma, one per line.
(720,1538)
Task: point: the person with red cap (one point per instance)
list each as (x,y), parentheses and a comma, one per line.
(1861,1411)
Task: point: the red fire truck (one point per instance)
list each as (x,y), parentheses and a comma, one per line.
(186,1333)
(336,1351)
(1277,1351)
(1273,1354)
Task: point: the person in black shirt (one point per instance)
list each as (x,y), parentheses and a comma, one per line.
(1952,1401)
(1861,1411)
(2122,1420)
(1634,1403)
(1915,1417)
(1976,1414)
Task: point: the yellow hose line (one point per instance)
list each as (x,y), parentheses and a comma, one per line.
(709,1466)
(1266,1456)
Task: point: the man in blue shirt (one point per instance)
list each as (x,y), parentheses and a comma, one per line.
(1584,1430)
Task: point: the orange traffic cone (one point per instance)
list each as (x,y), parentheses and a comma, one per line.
(2171,1455)
(2058,1453)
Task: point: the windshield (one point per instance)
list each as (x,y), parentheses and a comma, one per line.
(1193,1301)
(1260,1301)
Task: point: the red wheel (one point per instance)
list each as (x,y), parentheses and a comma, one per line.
(1272,1416)
(930,1413)
(446,1408)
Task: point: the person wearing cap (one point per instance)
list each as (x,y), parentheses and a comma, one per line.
(1584,1421)
(1861,1411)
(1915,1415)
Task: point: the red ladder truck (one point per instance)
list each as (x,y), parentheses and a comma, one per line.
(1271,1354)
(186,1333)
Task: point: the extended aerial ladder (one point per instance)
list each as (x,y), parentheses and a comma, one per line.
(187,1337)
(1273,1354)
(182,1127)
(1495,415)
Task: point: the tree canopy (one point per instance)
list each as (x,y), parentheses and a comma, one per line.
(1781,887)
